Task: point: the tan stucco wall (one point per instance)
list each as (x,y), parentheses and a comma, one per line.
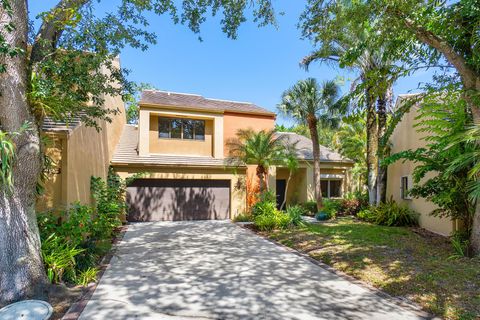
(403,138)
(53,196)
(237,180)
(148,111)
(179,146)
(295,192)
(85,152)
(232,122)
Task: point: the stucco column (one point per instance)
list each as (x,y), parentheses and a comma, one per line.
(310,187)
(218,137)
(272,179)
(143,132)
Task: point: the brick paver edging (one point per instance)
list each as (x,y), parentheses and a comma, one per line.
(76,308)
(402,302)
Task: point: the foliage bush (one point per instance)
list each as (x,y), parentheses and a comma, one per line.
(243,217)
(390,214)
(295,213)
(59,259)
(351,207)
(73,240)
(331,207)
(266,205)
(367,214)
(310,208)
(267,217)
(273,220)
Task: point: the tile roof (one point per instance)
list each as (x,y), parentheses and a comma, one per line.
(183,100)
(305,149)
(126,154)
(51,125)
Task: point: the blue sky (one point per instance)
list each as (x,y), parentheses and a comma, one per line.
(257,67)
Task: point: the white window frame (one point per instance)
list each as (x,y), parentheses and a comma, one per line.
(328,188)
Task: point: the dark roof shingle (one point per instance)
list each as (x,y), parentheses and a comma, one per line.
(305,148)
(183,100)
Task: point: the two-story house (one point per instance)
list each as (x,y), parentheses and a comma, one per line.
(180,144)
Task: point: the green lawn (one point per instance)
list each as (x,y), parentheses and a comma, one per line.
(400,261)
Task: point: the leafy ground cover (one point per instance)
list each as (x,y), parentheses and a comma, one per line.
(404,262)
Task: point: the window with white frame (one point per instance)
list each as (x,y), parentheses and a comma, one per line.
(331,188)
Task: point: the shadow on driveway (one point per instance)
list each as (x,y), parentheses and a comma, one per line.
(216,270)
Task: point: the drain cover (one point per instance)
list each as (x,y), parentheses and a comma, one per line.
(27,310)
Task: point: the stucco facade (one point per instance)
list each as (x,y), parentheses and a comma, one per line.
(406,137)
(232,122)
(80,152)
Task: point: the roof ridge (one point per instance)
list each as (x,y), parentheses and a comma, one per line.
(234,101)
(174,92)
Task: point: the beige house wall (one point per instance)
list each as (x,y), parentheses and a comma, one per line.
(179,146)
(80,154)
(405,137)
(148,144)
(301,188)
(237,180)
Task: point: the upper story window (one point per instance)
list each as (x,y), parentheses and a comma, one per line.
(187,129)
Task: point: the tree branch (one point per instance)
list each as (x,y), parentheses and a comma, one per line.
(51,29)
(468,75)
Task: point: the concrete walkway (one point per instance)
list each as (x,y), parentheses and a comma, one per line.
(216,270)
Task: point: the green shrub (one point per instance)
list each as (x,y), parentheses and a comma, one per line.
(87,276)
(331,207)
(295,213)
(367,215)
(393,214)
(389,214)
(351,207)
(460,244)
(59,258)
(265,222)
(74,240)
(310,208)
(243,217)
(274,220)
(266,205)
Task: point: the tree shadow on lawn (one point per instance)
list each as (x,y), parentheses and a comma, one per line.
(215,270)
(403,262)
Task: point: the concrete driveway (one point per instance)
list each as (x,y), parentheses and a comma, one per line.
(217,270)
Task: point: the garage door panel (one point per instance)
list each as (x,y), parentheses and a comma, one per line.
(158,200)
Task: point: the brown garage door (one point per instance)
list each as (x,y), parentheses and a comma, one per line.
(167,199)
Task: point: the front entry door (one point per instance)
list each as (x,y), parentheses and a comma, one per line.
(281,185)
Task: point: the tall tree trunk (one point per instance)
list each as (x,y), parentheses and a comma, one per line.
(312,125)
(21,269)
(261,178)
(372,147)
(382,149)
(471,83)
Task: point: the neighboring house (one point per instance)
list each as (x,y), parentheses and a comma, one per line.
(180,144)
(79,152)
(405,137)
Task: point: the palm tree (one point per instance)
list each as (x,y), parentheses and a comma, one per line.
(310,103)
(262,148)
(373,89)
(351,142)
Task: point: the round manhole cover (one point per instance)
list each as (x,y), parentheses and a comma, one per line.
(27,310)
